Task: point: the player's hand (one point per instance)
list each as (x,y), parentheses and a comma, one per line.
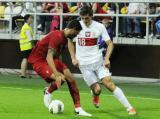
(63,77)
(75,62)
(58,81)
(59,77)
(107,63)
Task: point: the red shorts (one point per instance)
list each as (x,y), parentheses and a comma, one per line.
(45,71)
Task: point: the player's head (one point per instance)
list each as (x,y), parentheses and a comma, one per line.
(73,28)
(28,18)
(86,14)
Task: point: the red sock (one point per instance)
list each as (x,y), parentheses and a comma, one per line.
(52,87)
(96,99)
(74,93)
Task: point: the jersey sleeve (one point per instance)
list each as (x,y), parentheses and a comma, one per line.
(105,34)
(53,43)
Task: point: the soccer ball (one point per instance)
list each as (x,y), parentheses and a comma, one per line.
(56,106)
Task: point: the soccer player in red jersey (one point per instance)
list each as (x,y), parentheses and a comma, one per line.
(45,61)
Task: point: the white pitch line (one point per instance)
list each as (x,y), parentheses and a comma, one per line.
(131,97)
(17,88)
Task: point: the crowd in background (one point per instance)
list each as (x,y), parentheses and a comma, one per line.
(128,26)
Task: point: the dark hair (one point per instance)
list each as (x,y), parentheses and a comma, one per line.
(26,17)
(86,10)
(74,24)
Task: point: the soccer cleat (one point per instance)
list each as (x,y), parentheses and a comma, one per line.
(23,76)
(81,112)
(47,97)
(132,111)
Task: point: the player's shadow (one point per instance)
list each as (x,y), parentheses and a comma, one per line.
(148,109)
(114,115)
(83,117)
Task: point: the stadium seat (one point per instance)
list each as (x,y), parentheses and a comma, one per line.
(73,9)
(3,20)
(17,10)
(7,12)
(2,9)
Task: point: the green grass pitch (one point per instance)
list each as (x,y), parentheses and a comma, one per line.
(23,99)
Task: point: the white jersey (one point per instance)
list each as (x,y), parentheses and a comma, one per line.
(87,48)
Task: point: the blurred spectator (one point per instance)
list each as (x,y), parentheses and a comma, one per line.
(152,10)
(104,8)
(133,23)
(98,8)
(73,8)
(143,10)
(157,8)
(17,14)
(108,25)
(26,45)
(111,10)
(58,8)
(107,22)
(28,7)
(157,25)
(46,8)
(19,10)
(123,8)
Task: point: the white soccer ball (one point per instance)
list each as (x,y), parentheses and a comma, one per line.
(56,106)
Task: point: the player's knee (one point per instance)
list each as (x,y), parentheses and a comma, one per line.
(96,89)
(68,75)
(109,84)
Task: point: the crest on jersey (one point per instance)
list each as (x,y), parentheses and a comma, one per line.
(87,34)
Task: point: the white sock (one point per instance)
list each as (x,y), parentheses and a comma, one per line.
(47,99)
(118,93)
(78,109)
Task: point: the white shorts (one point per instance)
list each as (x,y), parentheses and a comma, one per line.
(93,73)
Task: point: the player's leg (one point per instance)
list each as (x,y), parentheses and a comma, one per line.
(23,68)
(72,87)
(49,90)
(61,67)
(95,91)
(53,85)
(24,62)
(91,80)
(118,93)
(104,74)
(46,73)
(74,91)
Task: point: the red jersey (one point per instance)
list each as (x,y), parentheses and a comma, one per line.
(54,39)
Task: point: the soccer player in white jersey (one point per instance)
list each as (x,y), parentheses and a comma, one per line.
(88,57)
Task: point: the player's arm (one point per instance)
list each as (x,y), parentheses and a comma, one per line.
(49,58)
(71,49)
(110,47)
(57,76)
(108,53)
